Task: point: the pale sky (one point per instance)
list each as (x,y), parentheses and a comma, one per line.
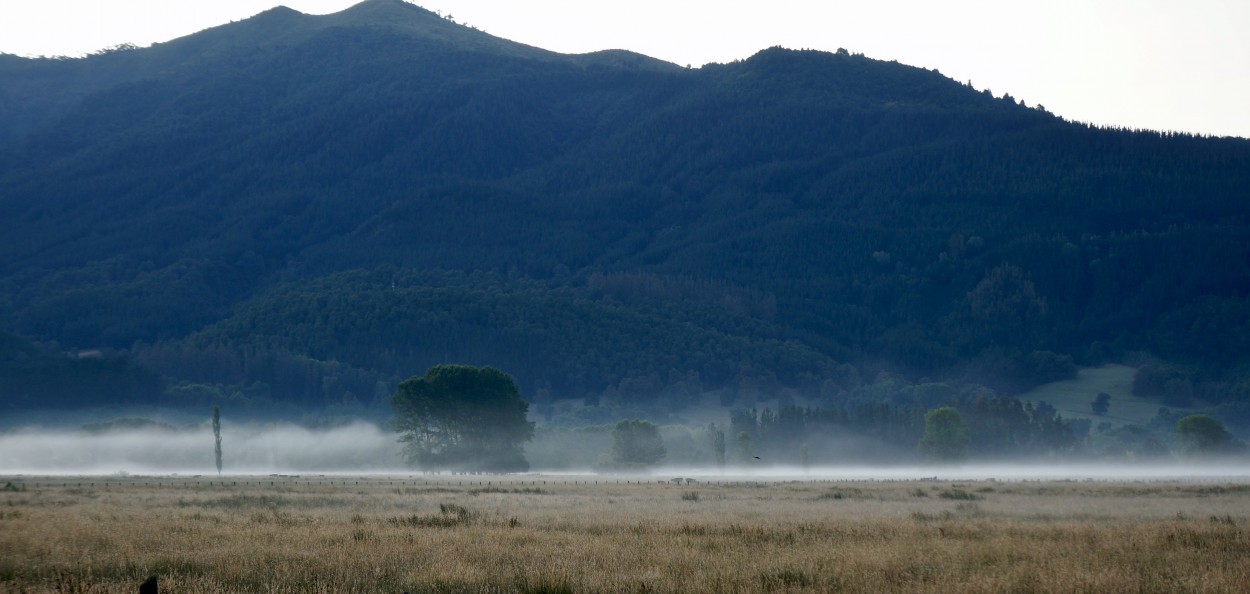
(1180,65)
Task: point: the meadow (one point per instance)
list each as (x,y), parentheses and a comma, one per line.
(1072,397)
(531,534)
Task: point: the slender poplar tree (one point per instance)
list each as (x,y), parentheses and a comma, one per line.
(217,437)
(718,444)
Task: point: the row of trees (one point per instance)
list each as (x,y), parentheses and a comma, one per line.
(464,418)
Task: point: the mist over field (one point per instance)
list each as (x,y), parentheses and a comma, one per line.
(367,449)
(246,449)
(1003,471)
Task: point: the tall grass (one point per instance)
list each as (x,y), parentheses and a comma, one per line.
(796,537)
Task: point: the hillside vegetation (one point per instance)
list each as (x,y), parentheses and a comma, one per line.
(307,209)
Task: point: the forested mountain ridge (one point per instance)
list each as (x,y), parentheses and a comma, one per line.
(310,208)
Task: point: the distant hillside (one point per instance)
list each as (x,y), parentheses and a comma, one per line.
(306,209)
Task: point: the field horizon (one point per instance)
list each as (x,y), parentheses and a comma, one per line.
(531,534)
(1181,471)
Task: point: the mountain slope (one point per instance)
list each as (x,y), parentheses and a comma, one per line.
(806,218)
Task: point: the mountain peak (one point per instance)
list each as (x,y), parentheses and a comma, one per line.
(399,15)
(374,7)
(280,11)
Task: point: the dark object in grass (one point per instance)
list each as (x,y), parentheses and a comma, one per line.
(148,586)
(960,495)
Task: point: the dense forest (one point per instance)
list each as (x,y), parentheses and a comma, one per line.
(303,211)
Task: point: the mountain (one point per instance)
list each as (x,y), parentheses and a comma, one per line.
(307,209)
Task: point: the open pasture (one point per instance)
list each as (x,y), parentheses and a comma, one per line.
(596,534)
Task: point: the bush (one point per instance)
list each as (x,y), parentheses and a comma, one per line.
(960,495)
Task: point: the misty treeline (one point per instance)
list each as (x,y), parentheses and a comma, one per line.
(881,415)
(997,430)
(868,432)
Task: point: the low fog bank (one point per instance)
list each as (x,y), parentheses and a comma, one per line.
(1172,471)
(259,449)
(366,449)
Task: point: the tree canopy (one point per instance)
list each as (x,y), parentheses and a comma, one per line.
(1202,434)
(463,418)
(637,443)
(945,435)
(1101,403)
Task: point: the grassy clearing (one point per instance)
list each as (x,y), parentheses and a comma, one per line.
(615,537)
(1073,397)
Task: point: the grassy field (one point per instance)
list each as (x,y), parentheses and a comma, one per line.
(1072,397)
(543,534)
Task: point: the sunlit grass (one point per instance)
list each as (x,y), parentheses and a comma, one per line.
(511,535)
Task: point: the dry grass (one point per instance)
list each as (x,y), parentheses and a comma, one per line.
(377,535)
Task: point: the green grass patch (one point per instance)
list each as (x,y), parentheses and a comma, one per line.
(1072,398)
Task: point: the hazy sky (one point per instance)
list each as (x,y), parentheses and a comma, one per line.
(1158,64)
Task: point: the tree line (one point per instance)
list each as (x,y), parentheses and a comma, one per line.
(468,419)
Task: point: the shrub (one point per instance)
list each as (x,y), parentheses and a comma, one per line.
(960,495)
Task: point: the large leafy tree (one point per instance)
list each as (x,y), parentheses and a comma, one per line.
(945,436)
(637,443)
(1202,434)
(458,417)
